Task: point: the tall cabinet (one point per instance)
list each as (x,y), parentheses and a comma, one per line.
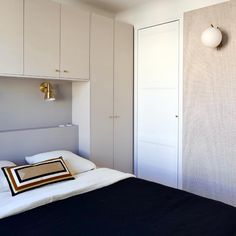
(123,97)
(102,84)
(111,91)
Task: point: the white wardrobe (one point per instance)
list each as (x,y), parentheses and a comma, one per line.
(156,104)
(51,40)
(106,128)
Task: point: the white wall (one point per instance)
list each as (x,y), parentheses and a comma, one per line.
(87,7)
(153,13)
(81,115)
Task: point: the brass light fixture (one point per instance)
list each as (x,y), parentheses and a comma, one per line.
(47,89)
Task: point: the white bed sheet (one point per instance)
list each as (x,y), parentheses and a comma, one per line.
(83,183)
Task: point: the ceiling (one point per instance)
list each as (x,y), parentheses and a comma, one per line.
(114,5)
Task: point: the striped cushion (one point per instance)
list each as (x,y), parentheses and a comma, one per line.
(27,177)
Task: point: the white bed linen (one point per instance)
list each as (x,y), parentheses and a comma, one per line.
(84,182)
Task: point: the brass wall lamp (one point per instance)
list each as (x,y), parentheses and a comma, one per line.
(47,89)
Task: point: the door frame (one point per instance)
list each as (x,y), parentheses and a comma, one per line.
(180,97)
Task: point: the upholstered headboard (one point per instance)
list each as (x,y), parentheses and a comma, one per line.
(15,145)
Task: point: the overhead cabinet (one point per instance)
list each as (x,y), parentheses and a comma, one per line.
(11,38)
(75,30)
(43,38)
(56,40)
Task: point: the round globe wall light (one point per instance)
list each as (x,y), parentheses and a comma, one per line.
(212,37)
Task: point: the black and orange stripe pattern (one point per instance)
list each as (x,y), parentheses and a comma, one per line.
(28,177)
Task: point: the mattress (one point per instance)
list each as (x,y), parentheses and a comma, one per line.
(129,206)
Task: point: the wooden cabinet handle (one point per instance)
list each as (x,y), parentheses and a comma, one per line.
(66,71)
(57,70)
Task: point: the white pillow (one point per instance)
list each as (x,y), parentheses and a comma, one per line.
(75,163)
(4,187)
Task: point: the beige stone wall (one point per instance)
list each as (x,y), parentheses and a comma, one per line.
(209,140)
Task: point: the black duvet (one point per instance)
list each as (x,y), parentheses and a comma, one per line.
(129,207)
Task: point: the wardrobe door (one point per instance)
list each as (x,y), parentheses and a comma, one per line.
(42,38)
(11,38)
(75,27)
(157,104)
(102,90)
(123,97)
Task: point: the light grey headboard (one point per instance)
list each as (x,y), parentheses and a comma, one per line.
(15,145)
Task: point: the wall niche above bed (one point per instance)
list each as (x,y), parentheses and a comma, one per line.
(23,105)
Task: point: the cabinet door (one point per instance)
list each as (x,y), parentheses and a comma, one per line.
(123,98)
(11,38)
(75,27)
(42,38)
(102,91)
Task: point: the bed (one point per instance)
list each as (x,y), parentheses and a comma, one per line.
(108,202)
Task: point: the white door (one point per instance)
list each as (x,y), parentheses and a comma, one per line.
(42,38)
(75,27)
(11,38)
(102,91)
(157,104)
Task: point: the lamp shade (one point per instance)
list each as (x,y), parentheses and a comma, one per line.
(47,89)
(211,37)
(49,96)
